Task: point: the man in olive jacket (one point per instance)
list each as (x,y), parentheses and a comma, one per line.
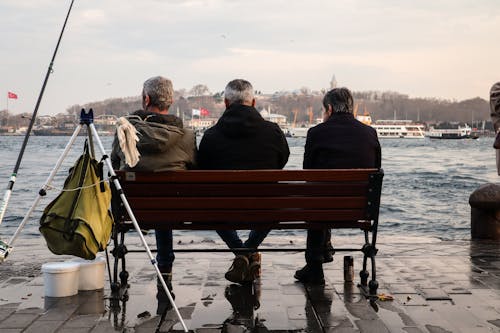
(242,139)
(164,144)
(339,142)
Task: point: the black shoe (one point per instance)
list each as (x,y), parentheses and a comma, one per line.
(161,294)
(310,275)
(328,253)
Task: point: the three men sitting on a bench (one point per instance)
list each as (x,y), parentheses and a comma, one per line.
(243,140)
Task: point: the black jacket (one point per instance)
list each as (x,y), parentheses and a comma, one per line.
(342,142)
(242,140)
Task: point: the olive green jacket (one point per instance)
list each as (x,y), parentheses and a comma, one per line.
(163,144)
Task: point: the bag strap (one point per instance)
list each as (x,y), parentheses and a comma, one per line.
(70,224)
(100,174)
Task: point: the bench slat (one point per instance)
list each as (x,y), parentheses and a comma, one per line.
(204,203)
(230,176)
(245,190)
(247,215)
(364,225)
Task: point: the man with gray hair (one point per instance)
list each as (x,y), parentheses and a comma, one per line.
(339,142)
(241,139)
(164,144)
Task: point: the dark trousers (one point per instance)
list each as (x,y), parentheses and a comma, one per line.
(165,254)
(317,241)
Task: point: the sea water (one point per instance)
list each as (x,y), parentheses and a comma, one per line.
(425,193)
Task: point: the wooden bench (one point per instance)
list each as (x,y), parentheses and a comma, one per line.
(252,199)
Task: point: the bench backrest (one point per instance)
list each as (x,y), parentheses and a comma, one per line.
(253,199)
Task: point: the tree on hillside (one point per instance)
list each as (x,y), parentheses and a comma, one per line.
(199,90)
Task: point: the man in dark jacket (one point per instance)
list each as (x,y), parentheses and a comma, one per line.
(340,142)
(242,139)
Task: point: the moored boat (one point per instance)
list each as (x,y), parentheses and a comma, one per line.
(460,132)
(399,129)
(296,132)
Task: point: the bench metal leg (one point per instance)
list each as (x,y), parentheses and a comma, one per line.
(119,288)
(369,251)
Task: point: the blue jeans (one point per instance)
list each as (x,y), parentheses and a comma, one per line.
(231,238)
(165,254)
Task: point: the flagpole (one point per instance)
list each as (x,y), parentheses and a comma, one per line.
(6,198)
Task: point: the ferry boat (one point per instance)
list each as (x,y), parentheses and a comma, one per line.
(297,132)
(399,129)
(460,132)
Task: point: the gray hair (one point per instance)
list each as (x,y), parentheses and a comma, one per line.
(160,92)
(340,99)
(239,91)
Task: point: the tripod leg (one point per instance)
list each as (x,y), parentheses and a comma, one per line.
(41,193)
(136,225)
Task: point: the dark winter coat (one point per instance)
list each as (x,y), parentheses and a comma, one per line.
(242,139)
(342,142)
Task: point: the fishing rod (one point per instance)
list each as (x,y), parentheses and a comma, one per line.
(4,247)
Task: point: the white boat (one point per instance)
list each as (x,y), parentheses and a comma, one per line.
(296,132)
(399,129)
(460,132)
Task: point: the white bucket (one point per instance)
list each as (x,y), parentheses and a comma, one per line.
(91,275)
(60,278)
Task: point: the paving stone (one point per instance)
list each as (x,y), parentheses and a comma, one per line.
(340,330)
(82,321)
(36,311)
(5,312)
(412,300)
(401,289)
(371,326)
(453,289)
(61,313)
(44,326)
(330,320)
(434,294)
(73,330)
(103,326)
(292,289)
(16,320)
(296,312)
(361,310)
(412,330)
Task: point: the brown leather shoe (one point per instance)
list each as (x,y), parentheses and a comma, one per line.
(238,271)
(255,267)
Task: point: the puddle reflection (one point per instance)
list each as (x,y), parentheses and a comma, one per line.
(88,302)
(244,299)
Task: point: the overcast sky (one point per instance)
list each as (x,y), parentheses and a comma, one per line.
(427,48)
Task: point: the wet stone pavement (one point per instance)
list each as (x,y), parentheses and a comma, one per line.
(437,286)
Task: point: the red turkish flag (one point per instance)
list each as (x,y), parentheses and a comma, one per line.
(204,112)
(11,95)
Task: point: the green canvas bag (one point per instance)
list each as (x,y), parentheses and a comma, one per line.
(78,220)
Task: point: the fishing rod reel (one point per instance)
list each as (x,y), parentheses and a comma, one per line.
(4,250)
